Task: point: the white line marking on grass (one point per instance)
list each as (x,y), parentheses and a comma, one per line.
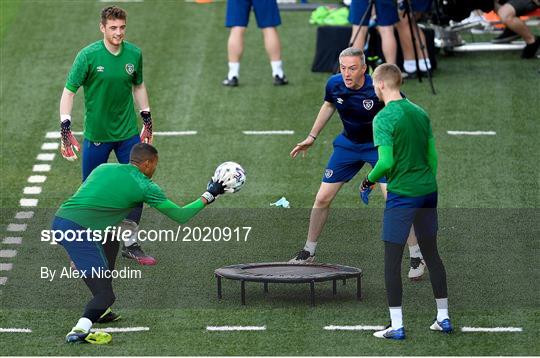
(353,328)
(52,135)
(24,215)
(235,328)
(15,330)
(284,132)
(175,133)
(121,329)
(28,202)
(8,253)
(16,227)
(32,190)
(45,157)
(50,146)
(41,168)
(12,240)
(491,329)
(37,178)
(6,267)
(3,280)
(471,132)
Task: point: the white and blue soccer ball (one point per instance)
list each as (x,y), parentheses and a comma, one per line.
(232,175)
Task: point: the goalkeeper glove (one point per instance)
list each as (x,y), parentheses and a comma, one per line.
(365,189)
(68,142)
(146,133)
(213,189)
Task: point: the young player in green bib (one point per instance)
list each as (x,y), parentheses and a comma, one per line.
(407,157)
(111,73)
(103,200)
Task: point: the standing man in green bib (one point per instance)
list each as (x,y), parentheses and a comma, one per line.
(111,73)
(407,157)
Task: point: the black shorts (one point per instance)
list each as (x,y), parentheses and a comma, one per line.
(521,7)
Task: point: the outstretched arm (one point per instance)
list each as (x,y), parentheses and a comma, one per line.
(325,113)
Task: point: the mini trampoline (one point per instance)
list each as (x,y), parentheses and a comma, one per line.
(283,272)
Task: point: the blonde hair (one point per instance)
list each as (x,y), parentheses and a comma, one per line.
(390,74)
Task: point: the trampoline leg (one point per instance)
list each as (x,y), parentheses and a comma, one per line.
(219,296)
(359,288)
(334,287)
(243,292)
(312,292)
(266,287)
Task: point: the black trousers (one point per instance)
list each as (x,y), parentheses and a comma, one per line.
(101,288)
(393,254)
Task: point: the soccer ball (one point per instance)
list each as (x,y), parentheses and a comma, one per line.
(232,175)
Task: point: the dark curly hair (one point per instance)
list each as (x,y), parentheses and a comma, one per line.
(112,13)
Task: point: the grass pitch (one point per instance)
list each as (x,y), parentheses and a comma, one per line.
(489,192)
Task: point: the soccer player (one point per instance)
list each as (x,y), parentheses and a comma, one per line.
(268,18)
(407,157)
(351,93)
(110,193)
(111,73)
(387,16)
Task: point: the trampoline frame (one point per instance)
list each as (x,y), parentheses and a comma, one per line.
(234,272)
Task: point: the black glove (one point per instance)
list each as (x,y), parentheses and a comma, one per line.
(146,133)
(366,185)
(213,189)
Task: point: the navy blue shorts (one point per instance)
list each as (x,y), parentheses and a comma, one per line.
(401,212)
(266,13)
(347,160)
(94,154)
(417,5)
(386,11)
(83,250)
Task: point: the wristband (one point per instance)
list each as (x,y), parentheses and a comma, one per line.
(209,197)
(312,136)
(65,117)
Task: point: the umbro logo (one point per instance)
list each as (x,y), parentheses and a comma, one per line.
(100,68)
(328,173)
(340,100)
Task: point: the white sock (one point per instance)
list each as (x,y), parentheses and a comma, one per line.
(84,323)
(422,64)
(414,251)
(442,309)
(409,65)
(396,316)
(310,246)
(277,68)
(234,70)
(131,226)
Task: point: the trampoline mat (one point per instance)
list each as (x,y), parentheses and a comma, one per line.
(286,272)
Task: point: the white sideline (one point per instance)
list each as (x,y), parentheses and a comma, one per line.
(6,267)
(235,328)
(50,146)
(8,253)
(283,132)
(471,132)
(16,227)
(15,330)
(353,328)
(41,168)
(56,135)
(32,190)
(491,329)
(45,156)
(120,329)
(37,178)
(24,215)
(12,241)
(24,202)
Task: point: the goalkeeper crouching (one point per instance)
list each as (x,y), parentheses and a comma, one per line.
(106,197)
